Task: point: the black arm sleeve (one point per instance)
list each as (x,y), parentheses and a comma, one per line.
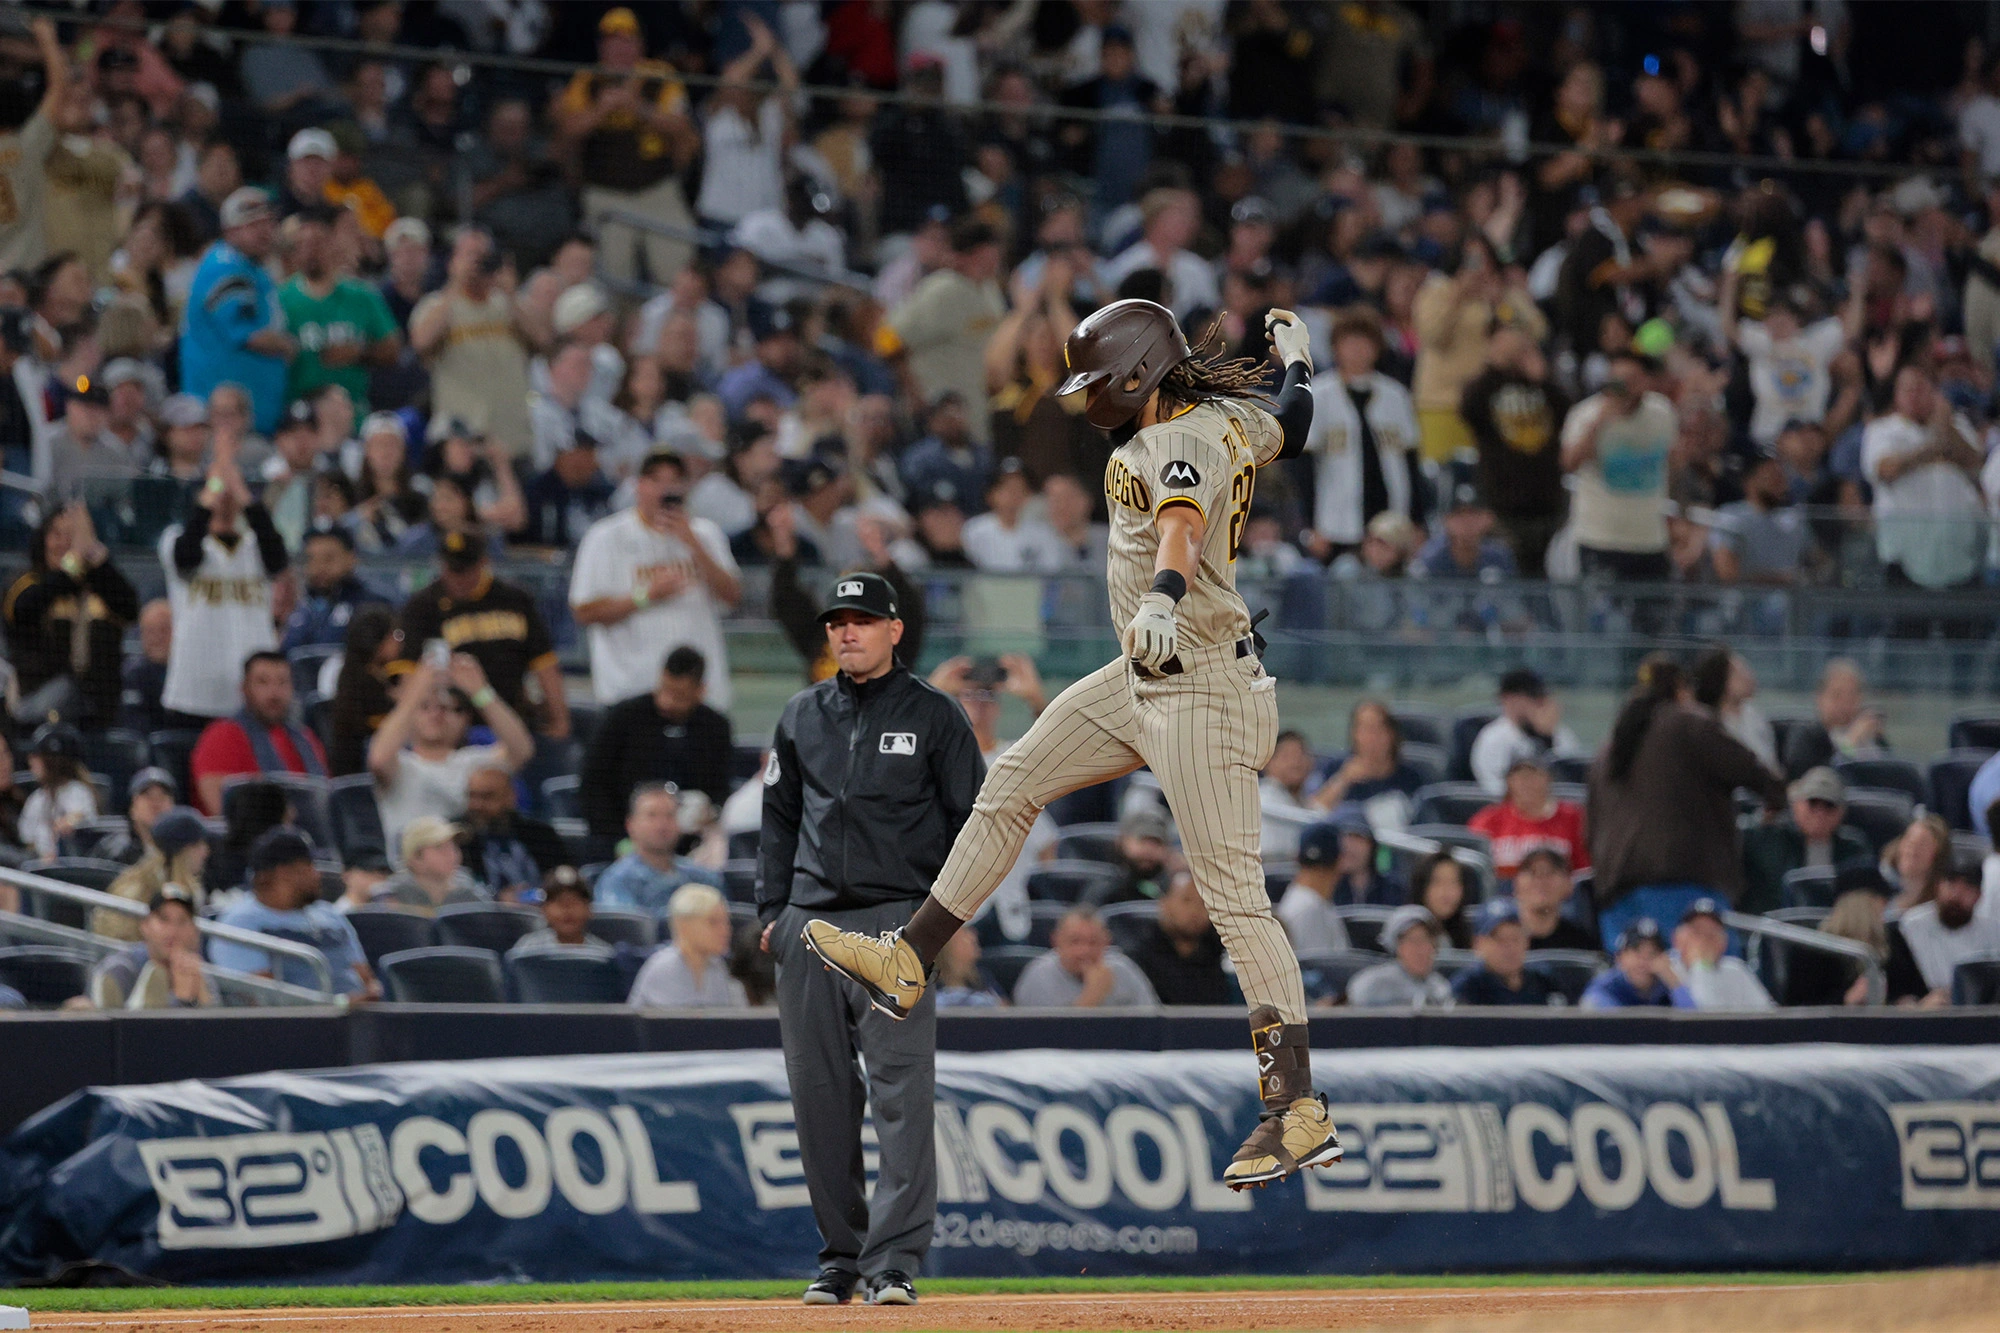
(778,843)
(117,592)
(270,546)
(1294,409)
(187,546)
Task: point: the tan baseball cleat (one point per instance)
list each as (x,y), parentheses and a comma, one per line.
(884,966)
(1284,1144)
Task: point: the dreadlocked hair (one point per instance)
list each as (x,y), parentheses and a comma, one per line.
(1206,374)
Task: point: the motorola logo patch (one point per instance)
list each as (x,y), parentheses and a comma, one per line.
(1180,473)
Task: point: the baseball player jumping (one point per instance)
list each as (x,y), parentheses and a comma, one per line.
(1189,699)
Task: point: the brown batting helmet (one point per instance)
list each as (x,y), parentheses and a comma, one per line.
(1119,355)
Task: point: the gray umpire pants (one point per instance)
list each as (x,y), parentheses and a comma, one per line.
(830,1033)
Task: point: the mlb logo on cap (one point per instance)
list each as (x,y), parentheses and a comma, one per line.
(868,593)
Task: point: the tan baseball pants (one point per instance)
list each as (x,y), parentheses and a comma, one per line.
(1206,734)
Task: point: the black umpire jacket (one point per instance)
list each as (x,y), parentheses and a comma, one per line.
(865,789)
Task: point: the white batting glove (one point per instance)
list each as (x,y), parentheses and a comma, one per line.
(1287,333)
(1149,639)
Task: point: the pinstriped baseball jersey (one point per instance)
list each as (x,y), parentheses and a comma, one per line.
(1206,458)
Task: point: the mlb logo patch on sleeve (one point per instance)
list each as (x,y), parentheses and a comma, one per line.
(899,742)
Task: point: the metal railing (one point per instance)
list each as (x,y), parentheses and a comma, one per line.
(315,961)
(232,988)
(708,238)
(1818,940)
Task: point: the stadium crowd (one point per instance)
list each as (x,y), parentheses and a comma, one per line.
(269,307)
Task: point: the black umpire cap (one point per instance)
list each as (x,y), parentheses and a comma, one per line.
(870,594)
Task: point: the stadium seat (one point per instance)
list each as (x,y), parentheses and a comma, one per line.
(1806,918)
(494,926)
(576,839)
(560,797)
(117,753)
(1570,768)
(746,760)
(1428,760)
(1450,803)
(170,750)
(1976,981)
(1364,923)
(387,930)
(1278,877)
(1576,793)
(1326,974)
(583,720)
(1005,962)
(356,819)
(307,663)
(317,709)
(1951,775)
(739,881)
(46,975)
(743,846)
(565,976)
(615,926)
(1887,772)
(1424,726)
(1879,813)
(84,872)
(1570,971)
(1465,728)
(1455,836)
(446,975)
(310,799)
(1451,962)
(86,838)
(1810,886)
(1974,729)
(1088,842)
(1072,881)
(1129,923)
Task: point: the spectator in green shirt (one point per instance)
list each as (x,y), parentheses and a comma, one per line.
(343,325)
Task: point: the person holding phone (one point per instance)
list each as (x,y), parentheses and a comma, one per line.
(1616,443)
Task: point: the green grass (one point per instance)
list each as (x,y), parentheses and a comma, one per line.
(114,1300)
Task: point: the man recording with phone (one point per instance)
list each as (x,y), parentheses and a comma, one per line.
(1617,442)
(651,579)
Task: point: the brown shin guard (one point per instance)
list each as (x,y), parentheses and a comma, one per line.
(1284,1059)
(931,929)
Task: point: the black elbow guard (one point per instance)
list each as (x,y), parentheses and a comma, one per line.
(1294,409)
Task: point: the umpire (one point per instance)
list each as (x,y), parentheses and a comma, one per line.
(872,772)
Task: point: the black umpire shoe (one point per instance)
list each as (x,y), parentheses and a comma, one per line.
(892,1287)
(833,1286)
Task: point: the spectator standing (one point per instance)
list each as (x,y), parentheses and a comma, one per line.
(693,971)
(505,851)
(670,735)
(473,611)
(1502,975)
(284,900)
(939,334)
(260,738)
(66,619)
(84,455)
(647,877)
(342,324)
(746,132)
(1923,461)
(361,688)
(1513,410)
(1724,682)
(1790,361)
(1616,443)
(1306,910)
(333,592)
(1410,980)
(63,799)
(1115,151)
(431,717)
(1082,971)
(1458,316)
(470,337)
(144,675)
(163,970)
(1641,975)
(1714,979)
(220,562)
(1811,835)
(1006,539)
(233,331)
(1180,952)
(1843,725)
(1169,221)
(948,464)
(652,579)
(177,855)
(25,152)
(627,122)
(566,911)
(1542,885)
(433,873)
(1530,725)
(1531,817)
(1364,432)
(1662,809)
(1932,938)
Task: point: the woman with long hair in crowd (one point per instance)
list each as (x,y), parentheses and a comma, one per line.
(361,695)
(63,799)
(179,855)
(1812,977)
(1662,809)
(1443,884)
(481,468)
(386,504)
(1915,860)
(1373,766)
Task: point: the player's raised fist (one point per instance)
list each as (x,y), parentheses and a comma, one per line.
(1149,639)
(1287,333)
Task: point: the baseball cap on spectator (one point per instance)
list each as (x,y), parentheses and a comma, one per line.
(153,776)
(384,423)
(1556,857)
(1524,681)
(424,832)
(57,740)
(1145,822)
(414,231)
(170,893)
(244,206)
(184,409)
(619,22)
(280,846)
(683,438)
(1535,759)
(1408,917)
(122,370)
(578,306)
(1005,468)
(177,830)
(1707,907)
(461,551)
(1463,496)
(1115,34)
(868,593)
(332,531)
(88,390)
(1319,844)
(298,416)
(1497,914)
(805,476)
(939,494)
(565,880)
(1643,931)
(1252,208)
(1819,784)
(312,142)
(769,321)
(1392,527)
(1962,870)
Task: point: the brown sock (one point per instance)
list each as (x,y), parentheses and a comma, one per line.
(930,930)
